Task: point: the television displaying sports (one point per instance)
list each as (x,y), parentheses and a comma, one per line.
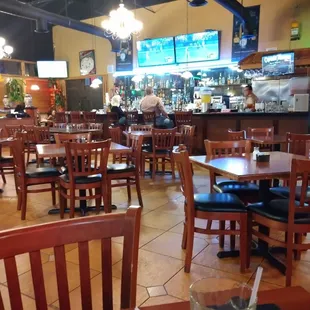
(156,52)
(278,64)
(202,46)
(52,69)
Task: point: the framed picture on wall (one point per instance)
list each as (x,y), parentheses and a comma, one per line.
(87,62)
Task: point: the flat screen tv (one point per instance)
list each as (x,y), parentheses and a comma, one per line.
(278,64)
(156,52)
(201,46)
(52,69)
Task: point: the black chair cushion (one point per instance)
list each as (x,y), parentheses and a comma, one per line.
(237,188)
(218,203)
(284,192)
(120,168)
(43,172)
(83,180)
(6,160)
(277,210)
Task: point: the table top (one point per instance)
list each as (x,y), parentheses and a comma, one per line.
(275,139)
(244,168)
(288,298)
(146,134)
(58,150)
(72,130)
(5,141)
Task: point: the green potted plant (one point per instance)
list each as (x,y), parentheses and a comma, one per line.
(15,92)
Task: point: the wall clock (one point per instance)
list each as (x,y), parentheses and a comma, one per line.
(87,62)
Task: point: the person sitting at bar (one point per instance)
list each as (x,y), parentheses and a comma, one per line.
(152,103)
(18,112)
(115,103)
(51,116)
(250,98)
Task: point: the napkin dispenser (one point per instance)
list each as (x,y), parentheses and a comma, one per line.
(263,157)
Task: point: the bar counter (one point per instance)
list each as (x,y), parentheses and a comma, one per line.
(214,126)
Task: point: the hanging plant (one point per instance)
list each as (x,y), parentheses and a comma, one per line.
(15,91)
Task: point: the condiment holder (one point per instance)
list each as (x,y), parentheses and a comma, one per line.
(263,157)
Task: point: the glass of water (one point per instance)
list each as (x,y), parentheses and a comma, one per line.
(220,294)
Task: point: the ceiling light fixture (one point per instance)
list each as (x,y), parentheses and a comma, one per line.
(121,24)
(187,75)
(5,50)
(96,83)
(35,87)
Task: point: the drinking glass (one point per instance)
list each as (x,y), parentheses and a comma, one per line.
(220,294)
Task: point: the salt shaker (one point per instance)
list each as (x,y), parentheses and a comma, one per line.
(255,152)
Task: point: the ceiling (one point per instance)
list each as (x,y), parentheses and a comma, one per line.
(84,9)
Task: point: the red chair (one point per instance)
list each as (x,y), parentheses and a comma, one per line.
(75,117)
(89,117)
(60,117)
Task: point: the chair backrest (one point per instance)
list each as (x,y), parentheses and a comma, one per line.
(163,139)
(60,117)
(72,137)
(79,126)
(300,172)
(187,136)
(136,146)
(30,134)
(183,118)
(89,117)
(17,147)
(141,127)
(149,118)
(11,130)
(75,117)
(85,159)
(42,134)
(260,132)
(115,134)
(112,118)
(132,117)
(236,135)
(296,143)
(59,125)
(56,235)
(98,126)
(227,148)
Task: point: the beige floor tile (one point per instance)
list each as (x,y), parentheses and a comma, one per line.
(8,206)
(179,285)
(172,207)
(50,280)
(156,291)
(147,234)
(208,257)
(161,300)
(23,264)
(68,248)
(95,254)
(96,284)
(9,221)
(264,286)
(28,303)
(34,211)
(153,269)
(161,220)
(170,244)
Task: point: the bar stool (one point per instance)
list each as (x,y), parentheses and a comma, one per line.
(75,117)
(60,117)
(89,117)
(183,118)
(149,118)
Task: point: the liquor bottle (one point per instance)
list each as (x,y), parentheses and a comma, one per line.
(238,79)
(220,79)
(223,80)
(229,79)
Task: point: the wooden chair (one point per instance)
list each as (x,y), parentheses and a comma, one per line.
(79,126)
(75,117)
(87,170)
(89,117)
(112,118)
(183,118)
(236,135)
(98,126)
(72,137)
(149,118)
(141,128)
(42,135)
(25,178)
(286,215)
(245,191)
(60,125)
(132,118)
(186,138)
(116,137)
(162,146)
(222,207)
(80,231)
(130,172)
(11,130)
(6,163)
(30,141)
(260,132)
(60,117)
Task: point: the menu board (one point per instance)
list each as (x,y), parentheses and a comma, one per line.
(278,64)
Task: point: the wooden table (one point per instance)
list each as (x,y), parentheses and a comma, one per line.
(288,298)
(72,130)
(244,168)
(58,150)
(273,140)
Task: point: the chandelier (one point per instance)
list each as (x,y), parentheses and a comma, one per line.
(121,24)
(5,50)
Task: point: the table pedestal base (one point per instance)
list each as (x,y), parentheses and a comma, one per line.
(83,211)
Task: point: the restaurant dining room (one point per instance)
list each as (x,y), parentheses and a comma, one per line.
(154,154)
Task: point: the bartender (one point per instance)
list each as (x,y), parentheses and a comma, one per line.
(250,98)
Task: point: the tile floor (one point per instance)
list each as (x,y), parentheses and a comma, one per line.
(161,278)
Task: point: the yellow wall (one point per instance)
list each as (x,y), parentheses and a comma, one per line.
(170,19)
